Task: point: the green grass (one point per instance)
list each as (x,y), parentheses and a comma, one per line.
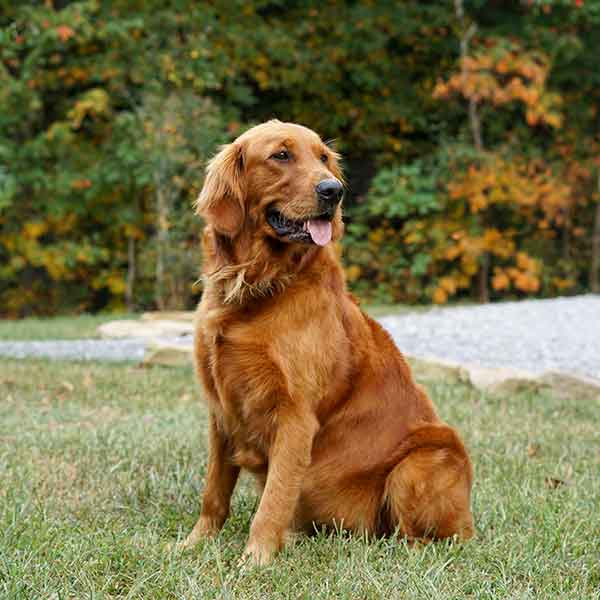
(384,310)
(56,328)
(101,467)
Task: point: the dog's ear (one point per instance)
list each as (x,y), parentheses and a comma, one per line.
(222,199)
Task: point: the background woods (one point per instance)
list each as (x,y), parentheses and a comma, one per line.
(470,129)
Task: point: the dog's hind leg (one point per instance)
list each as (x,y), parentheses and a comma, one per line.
(427,494)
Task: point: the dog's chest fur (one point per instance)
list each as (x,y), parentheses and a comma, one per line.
(251,367)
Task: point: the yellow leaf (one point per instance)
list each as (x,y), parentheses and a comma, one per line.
(353,272)
(116,284)
(376,236)
(448,285)
(34,230)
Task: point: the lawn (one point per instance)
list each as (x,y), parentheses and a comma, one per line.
(56,328)
(101,468)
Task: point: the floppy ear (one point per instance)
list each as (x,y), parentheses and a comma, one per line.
(221,201)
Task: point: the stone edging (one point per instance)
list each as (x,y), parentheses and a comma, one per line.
(506,380)
(496,381)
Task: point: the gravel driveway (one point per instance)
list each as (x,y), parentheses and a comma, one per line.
(534,335)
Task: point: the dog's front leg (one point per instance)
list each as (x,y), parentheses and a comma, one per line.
(221,478)
(289,459)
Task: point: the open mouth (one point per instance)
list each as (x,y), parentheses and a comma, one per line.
(313,230)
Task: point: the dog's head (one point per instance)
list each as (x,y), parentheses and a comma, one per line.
(278,181)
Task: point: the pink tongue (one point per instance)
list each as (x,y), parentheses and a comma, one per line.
(320,231)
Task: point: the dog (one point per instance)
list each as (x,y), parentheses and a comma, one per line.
(304,390)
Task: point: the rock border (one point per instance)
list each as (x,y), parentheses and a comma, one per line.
(492,381)
(505,380)
(500,380)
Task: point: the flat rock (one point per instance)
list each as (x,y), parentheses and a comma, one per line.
(431,369)
(129,328)
(505,380)
(168,354)
(572,386)
(169,315)
(502,380)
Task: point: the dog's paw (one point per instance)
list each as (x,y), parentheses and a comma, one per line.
(258,553)
(205,528)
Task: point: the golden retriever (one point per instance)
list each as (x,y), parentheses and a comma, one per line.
(304,390)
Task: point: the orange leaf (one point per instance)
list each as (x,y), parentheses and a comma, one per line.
(64,32)
(500,281)
(440,296)
(81,184)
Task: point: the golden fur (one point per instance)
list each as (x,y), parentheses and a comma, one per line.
(304,390)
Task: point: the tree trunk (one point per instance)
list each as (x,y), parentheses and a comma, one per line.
(475,122)
(467,33)
(131,266)
(595,262)
(483,287)
(566,235)
(161,246)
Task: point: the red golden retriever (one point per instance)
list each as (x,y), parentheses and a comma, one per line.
(305,391)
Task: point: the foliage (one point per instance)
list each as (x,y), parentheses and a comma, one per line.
(513,209)
(109,110)
(400,201)
(93,132)
(503,72)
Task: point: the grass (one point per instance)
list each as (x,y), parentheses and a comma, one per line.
(56,328)
(384,310)
(101,468)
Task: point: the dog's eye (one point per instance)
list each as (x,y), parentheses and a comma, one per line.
(324,158)
(281,155)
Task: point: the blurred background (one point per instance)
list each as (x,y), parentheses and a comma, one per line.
(470,132)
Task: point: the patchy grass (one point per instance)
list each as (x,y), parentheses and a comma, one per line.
(101,468)
(384,310)
(56,328)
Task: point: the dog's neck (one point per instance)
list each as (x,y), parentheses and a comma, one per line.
(238,272)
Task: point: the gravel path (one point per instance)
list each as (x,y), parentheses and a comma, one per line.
(117,350)
(535,335)
(104,350)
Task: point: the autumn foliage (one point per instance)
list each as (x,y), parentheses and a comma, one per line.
(471,142)
(502,72)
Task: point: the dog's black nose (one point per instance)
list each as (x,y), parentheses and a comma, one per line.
(329,192)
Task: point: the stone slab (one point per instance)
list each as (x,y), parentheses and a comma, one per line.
(130,328)
(169,355)
(169,315)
